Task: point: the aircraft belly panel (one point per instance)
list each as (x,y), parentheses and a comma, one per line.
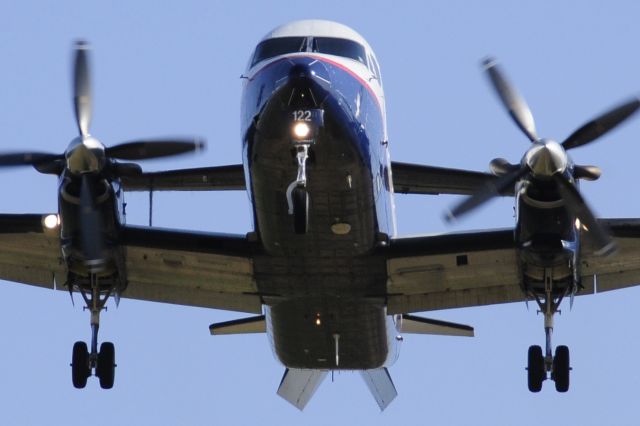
(327,333)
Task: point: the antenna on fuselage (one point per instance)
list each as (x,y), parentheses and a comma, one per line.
(150,205)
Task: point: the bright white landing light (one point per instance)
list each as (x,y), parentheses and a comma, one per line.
(301,130)
(51,221)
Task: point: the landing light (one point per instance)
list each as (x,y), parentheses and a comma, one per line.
(51,221)
(301,130)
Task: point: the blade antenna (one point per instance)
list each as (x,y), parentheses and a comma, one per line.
(150,206)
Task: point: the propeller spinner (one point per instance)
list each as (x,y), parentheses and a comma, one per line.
(547,159)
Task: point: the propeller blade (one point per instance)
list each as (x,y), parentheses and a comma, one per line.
(142,150)
(492,189)
(82,87)
(500,166)
(601,125)
(578,207)
(587,172)
(90,221)
(515,104)
(124,169)
(27,158)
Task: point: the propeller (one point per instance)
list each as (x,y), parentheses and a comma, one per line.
(88,162)
(86,154)
(546,159)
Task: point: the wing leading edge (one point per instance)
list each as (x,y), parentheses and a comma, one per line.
(407,179)
(421,179)
(220,178)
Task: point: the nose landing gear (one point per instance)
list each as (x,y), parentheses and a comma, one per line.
(297,195)
(538,366)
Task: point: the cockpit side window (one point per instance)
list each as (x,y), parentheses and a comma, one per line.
(376,68)
(340,47)
(278,46)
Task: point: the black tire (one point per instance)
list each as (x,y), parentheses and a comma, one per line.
(106,368)
(300,199)
(535,369)
(561,368)
(80,370)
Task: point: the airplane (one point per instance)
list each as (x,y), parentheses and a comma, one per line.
(323,272)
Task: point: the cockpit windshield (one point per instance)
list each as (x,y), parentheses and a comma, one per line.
(328,45)
(340,47)
(278,46)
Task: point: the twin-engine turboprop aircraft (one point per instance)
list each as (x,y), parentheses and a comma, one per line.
(323,270)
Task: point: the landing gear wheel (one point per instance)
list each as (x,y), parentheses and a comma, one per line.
(106,367)
(561,368)
(535,369)
(80,370)
(300,199)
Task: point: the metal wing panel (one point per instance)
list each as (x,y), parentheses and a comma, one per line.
(221,178)
(27,254)
(421,179)
(203,276)
(452,271)
(620,270)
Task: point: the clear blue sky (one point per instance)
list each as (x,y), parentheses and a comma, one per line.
(172,68)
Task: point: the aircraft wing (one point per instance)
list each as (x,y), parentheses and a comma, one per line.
(407,179)
(186,268)
(190,268)
(479,268)
(452,271)
(220,178)
(28,255)
(421,179)
(619,270)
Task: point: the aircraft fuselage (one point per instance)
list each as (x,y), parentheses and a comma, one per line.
(326,293)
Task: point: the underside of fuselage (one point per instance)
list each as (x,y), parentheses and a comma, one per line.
(324,289)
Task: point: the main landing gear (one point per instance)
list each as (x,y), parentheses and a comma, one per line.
(539,365)
(297,195)
(83,361)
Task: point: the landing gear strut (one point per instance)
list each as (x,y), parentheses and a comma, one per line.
(297,195)
(83,361)
(538,365)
